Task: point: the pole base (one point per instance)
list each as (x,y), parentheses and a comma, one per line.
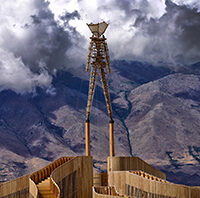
(87,137)
(111,133)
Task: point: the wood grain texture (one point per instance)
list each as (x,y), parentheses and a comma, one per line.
(87,138)
(129,184)
(132,163)
(68,177)
(15,188)
(107,192)
(111,134)
(45,172)
(75,178)
(33,190)
(100,179)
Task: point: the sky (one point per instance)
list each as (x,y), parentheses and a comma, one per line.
(39,37)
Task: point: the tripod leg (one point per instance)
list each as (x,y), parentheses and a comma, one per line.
(104,82)
(92,85)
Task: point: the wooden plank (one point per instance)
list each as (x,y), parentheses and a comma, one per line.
(143,186)
(132,163)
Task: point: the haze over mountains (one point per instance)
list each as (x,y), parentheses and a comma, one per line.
(156,113)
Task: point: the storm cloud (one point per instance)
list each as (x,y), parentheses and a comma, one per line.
(156,31)
(173,38)
(33,45)
(38,37)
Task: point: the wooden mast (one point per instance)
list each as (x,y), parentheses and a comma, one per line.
(87,138)
(111,133)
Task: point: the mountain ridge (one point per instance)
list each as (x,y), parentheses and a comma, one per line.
(48,126)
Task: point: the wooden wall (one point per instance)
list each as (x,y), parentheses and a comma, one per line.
(132,163)
(33,190)
(134,185)
(100,179)
(18,188)
(75,178)
(106,191)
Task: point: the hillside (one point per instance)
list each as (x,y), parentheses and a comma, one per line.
(157,117)
(164,124)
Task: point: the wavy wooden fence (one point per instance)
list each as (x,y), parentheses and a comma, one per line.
(33,190)
(75,178)
(148,176)
(106,192)
(43,174)
(132,163)
(131,184)
(69,177)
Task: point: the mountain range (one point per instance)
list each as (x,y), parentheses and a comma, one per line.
(156,112)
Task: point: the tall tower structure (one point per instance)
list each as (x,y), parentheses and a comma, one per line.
(98,61)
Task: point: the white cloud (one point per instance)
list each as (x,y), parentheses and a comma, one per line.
(17,77)
(126,41)
(32,45)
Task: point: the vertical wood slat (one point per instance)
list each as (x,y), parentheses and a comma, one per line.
(45,172)
(132,163)
(75,177)
(124,180)
(15,188)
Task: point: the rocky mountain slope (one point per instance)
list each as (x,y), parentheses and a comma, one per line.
(164,124)
(156,113)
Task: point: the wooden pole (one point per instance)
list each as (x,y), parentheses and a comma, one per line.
(111,130)
(87,138)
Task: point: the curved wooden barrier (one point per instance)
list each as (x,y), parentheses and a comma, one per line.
(148,176)
(132,163)
(75,178)
(43,174)
(15,188)
(65,177)
(131,184)
(106,191)
(33,190)
(55,188)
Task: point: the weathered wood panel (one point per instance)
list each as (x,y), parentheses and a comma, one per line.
(75,178)
(45,172)
(132,163)
(106,192)
(100,179)
(33,190)
(15,188)
(131,184)
(54,187)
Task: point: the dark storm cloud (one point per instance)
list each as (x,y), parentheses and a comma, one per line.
(47,43)
(66,17)
(172,39)
(40,52)
(33,45)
